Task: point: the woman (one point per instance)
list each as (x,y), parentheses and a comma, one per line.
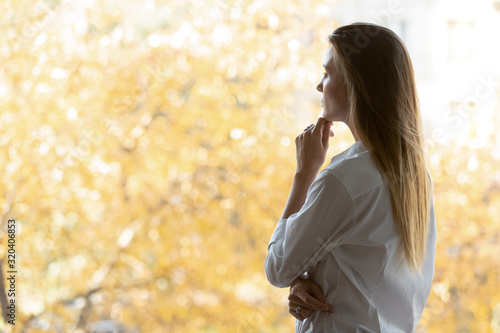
(361,232)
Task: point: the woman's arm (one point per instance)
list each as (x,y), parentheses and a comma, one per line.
(302,238)
(311,147)
(301,183)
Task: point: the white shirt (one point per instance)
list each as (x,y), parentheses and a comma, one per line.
(346,239)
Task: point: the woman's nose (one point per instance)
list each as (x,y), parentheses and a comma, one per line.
(319,87)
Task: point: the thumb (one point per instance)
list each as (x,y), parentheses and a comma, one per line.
(320,125)
(326,133)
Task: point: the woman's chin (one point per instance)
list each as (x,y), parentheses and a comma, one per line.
(327,116)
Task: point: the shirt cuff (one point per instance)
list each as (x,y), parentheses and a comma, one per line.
(279,232)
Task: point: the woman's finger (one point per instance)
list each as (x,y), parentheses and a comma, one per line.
(303,313)
(306,312)
(307,301)
(298,316)
(292,309)
(318,296)
(320,125)
(294,302)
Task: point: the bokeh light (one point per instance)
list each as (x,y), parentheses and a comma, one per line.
(147,150)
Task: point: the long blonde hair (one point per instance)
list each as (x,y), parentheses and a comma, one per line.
(378,75)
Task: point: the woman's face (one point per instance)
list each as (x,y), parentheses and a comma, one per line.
(334,100)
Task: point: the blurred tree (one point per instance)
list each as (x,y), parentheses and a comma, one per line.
(147,153)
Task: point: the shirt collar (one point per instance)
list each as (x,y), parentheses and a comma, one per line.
(356,148)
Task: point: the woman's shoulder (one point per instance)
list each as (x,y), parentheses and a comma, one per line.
(357,172)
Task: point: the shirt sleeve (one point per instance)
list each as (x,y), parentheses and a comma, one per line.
(306,237)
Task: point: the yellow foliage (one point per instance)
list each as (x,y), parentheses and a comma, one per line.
(147,151)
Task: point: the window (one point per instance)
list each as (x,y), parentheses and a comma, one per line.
(460,41)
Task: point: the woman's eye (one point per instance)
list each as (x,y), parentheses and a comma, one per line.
(324,73)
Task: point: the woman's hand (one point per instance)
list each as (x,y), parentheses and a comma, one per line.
(307,294)
(312,145)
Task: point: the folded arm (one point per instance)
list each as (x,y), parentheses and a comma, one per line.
(303,239)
